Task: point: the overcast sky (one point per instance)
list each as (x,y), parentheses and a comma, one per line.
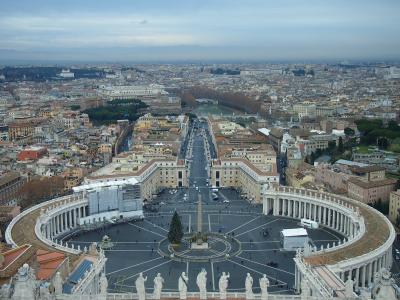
(161,30)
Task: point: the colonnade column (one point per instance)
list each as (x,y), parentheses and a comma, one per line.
(369,266)
(60,219)
(363,276)
(337,220)
(70,218)
(51,228)
(266,206)
(56,224)
(326,215)
(329,217)
(284,206)
(373,265)
(343,226)
(276,207)
(320,213)
(315,212)
(76,215)
(357,278)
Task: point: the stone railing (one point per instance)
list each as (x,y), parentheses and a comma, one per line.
(318,283)
(330,201)
(354,252)
(47,214)
(190,295)
(8,233)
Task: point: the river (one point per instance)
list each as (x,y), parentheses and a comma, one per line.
(214,109)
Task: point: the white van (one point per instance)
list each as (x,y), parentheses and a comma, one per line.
(215,190)
(309,223)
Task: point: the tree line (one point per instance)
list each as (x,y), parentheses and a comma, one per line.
(130,109)
(40,189)
(376,132)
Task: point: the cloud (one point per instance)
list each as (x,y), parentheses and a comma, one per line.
(277,28)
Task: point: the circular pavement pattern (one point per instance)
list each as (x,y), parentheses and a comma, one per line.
(239,229)
(219,247)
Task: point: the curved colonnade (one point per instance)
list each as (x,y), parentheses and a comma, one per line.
(54,219)
(366,248)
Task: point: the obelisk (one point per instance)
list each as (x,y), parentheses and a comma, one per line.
(199,242)
(199,216)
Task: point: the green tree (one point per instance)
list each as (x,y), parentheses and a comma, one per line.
(331,146)
(381,206)
(175,233)
(349,132)
(383,143)
(340,145)
(75,107)
(191,116)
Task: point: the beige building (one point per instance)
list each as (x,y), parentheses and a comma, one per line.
(394,206)
(241,174)
(362,182)
(105,148)
(152,161)
(160,134)
(23,128)
(153,175)
(73,177)
(10,187)
(371,191)
(245,161)
(305,109)
(332,177)
(303,176)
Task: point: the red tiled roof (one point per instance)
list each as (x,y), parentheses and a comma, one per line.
(48,263)
(12,255)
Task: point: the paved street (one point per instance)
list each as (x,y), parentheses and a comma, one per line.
(136,243)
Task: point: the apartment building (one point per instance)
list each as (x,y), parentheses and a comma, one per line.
(241,174)
(245,161)
(394,206)
(366,183)
(152,176)
(10,186)
(73,177)
(22,128)
(371,191)
(160,134)
(305,109)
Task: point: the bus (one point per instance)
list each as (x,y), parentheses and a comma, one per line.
(309,223)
